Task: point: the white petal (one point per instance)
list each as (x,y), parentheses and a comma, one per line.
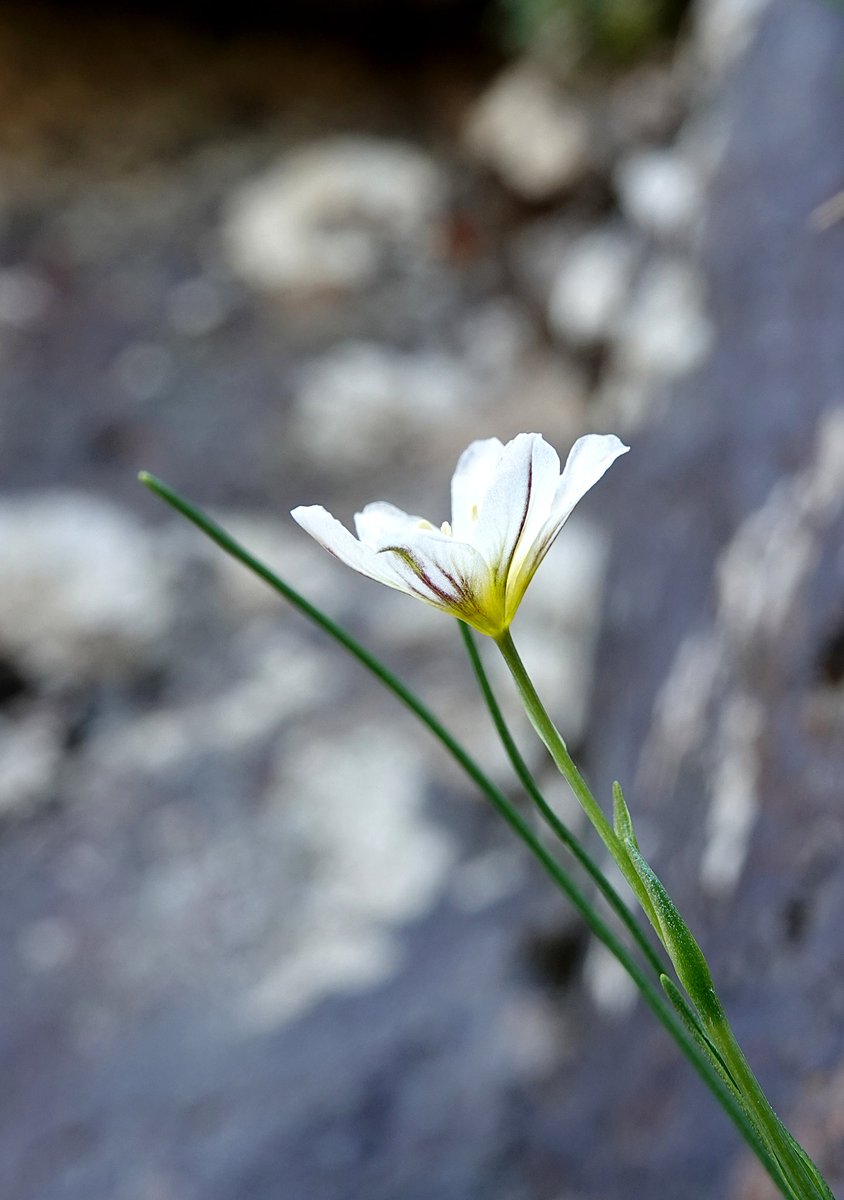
(450,575)
(589,459)
(545,478)
(337,539)
(475,471)
(380,523)
(519,500)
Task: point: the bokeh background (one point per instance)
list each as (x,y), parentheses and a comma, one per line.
(259,940)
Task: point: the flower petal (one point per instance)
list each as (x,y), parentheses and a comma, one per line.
(544,480)
(518,503)
(590,457)
(381,523)
(337,539)
(450,575)
(475,471)
(508,505)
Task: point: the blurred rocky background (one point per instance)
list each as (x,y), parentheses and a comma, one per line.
(259,940)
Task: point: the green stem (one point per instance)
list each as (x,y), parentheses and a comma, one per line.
(601,930)
(799,1180)
(553,741)
(780,1142)
(557,826)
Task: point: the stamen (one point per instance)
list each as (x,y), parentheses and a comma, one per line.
(446,529)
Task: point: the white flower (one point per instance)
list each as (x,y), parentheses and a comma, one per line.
(508,503)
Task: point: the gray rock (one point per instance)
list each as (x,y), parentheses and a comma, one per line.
(646,104)
(197,307)
(494,340)
(739,588)
(537,252)
(144,370)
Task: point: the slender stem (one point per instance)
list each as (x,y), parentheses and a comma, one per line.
(554,743)
(663,1013)
(794,1172)
(555,824)
(553,740)
(777,1137)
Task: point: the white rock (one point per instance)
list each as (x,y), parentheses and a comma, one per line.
(82,583)
(660,192)
(666,332)
(322,218)
(284,679)
(530,134)
(362,401)
(30,753)
(611,988)
(354,805)
(591,285)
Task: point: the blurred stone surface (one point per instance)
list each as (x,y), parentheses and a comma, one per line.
(666,330)
(362,403)
(733,607)
(591,286)
(724,30)
(31,750)
(259,937)
(660,192)
(24,297)
(647,103)
(80,589)
(324,219)
(534,137)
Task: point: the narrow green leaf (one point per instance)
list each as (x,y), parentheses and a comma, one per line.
(810,1166)
(684,952)
(621,819)
(691,1022)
